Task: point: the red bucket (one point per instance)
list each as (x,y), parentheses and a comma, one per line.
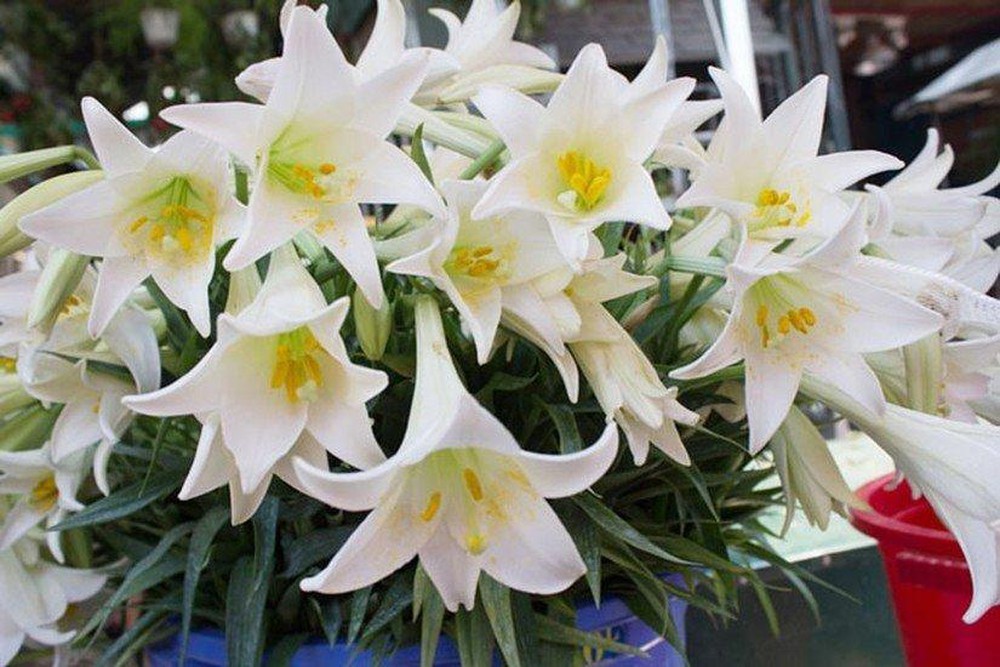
(930,582)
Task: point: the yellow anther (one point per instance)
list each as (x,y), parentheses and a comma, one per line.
(138,224)
(765,336)
(8,364)
(808,316)
(184,237)
(776,209)
(433,505)
(587,181)
(482,251)
(71,302)
(475,544)
(797,322)
(472,484)
(295,366)
(761,315)
(45,493)
(476,262)
(784,325)
(327,168)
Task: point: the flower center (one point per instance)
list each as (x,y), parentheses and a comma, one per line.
(313,181)
(71,307)
(45,493)
(776,208)
(800,319)
(177,221)
(482,262)
(586,181)
(295,365)
(8,365)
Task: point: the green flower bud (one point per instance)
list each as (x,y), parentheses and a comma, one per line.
(372,325)
(38,197)
(59,279)
(22,164)
(28,429)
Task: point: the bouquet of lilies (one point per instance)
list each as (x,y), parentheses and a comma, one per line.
(399,349)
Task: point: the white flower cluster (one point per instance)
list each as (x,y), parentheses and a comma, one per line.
(827,289)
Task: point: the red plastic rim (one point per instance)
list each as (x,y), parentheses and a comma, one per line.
(897,519)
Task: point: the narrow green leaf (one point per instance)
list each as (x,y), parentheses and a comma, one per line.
(569,435)
(122,503)
(617,527)
(394,602)
(552,631)
(588,543)
(248,587)
(418,154)
(474,637)
(496,601)
(198,554)
(431,617)
(331,617)
(318,545)
(284,651)
(359,606)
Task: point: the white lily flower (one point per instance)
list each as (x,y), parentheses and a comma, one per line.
(766,175)
(956,466)
(278,373)
(460,494)
(37,594)
(318,149)
(629,389)
(156,213)
(46,491)
(579,161)
(809,474)
(481,263)
(795,316)
(969,378)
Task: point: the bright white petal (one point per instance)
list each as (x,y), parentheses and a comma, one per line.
(118,149)
(557,476)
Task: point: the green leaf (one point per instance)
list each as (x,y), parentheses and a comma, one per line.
(474,637)
(283,652)
(428,602)
(359,606)
(123,502)
(198,554)
(313,547)
(248,586)
(496,601)
(569,435)
(131,640)
(618,528)
(178,328)
(588,543)
(418,154)
(331,617)
(394,602)
(553,631)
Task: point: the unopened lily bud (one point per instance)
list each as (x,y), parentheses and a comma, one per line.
(22,164)
(36,198)
(528,80)
(58,281)
(27,430)
(373,325)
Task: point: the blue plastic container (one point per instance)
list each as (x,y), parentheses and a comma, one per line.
(207,648)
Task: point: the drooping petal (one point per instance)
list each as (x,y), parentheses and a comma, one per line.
(771,388)
(352,491)
(557,476)
(347,238)
(212,466)
(453,570)
(117,279)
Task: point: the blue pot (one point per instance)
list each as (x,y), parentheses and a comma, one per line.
(207,648)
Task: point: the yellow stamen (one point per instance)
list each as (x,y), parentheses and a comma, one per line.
(765,336)
(477,262)
(137,224)
(8,364)
(327,168)
(776,209)
(797,322)
(784,325)
(761,315)
(296,368)
(45,493)
(807,316)
(472,484)
(433,505)
(586,181)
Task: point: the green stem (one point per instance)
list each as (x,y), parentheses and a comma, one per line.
(923,373)
(485,159)
(708,266)
(87,158)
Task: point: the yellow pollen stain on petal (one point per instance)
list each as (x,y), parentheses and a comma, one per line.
(587,182)
(45,493)
(295,366)
(472,484)
(475,543)
(433,505)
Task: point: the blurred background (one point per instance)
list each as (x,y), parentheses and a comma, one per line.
(896,67)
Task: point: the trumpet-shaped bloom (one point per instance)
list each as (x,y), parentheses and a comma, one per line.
(809,315)
(46,491)
(480,263)
(955,465)
(579,160)
(279,371)
(156,213)
(460,494)
(809,475)
(317,149)
(970,371)
(766,175)
(36,595)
